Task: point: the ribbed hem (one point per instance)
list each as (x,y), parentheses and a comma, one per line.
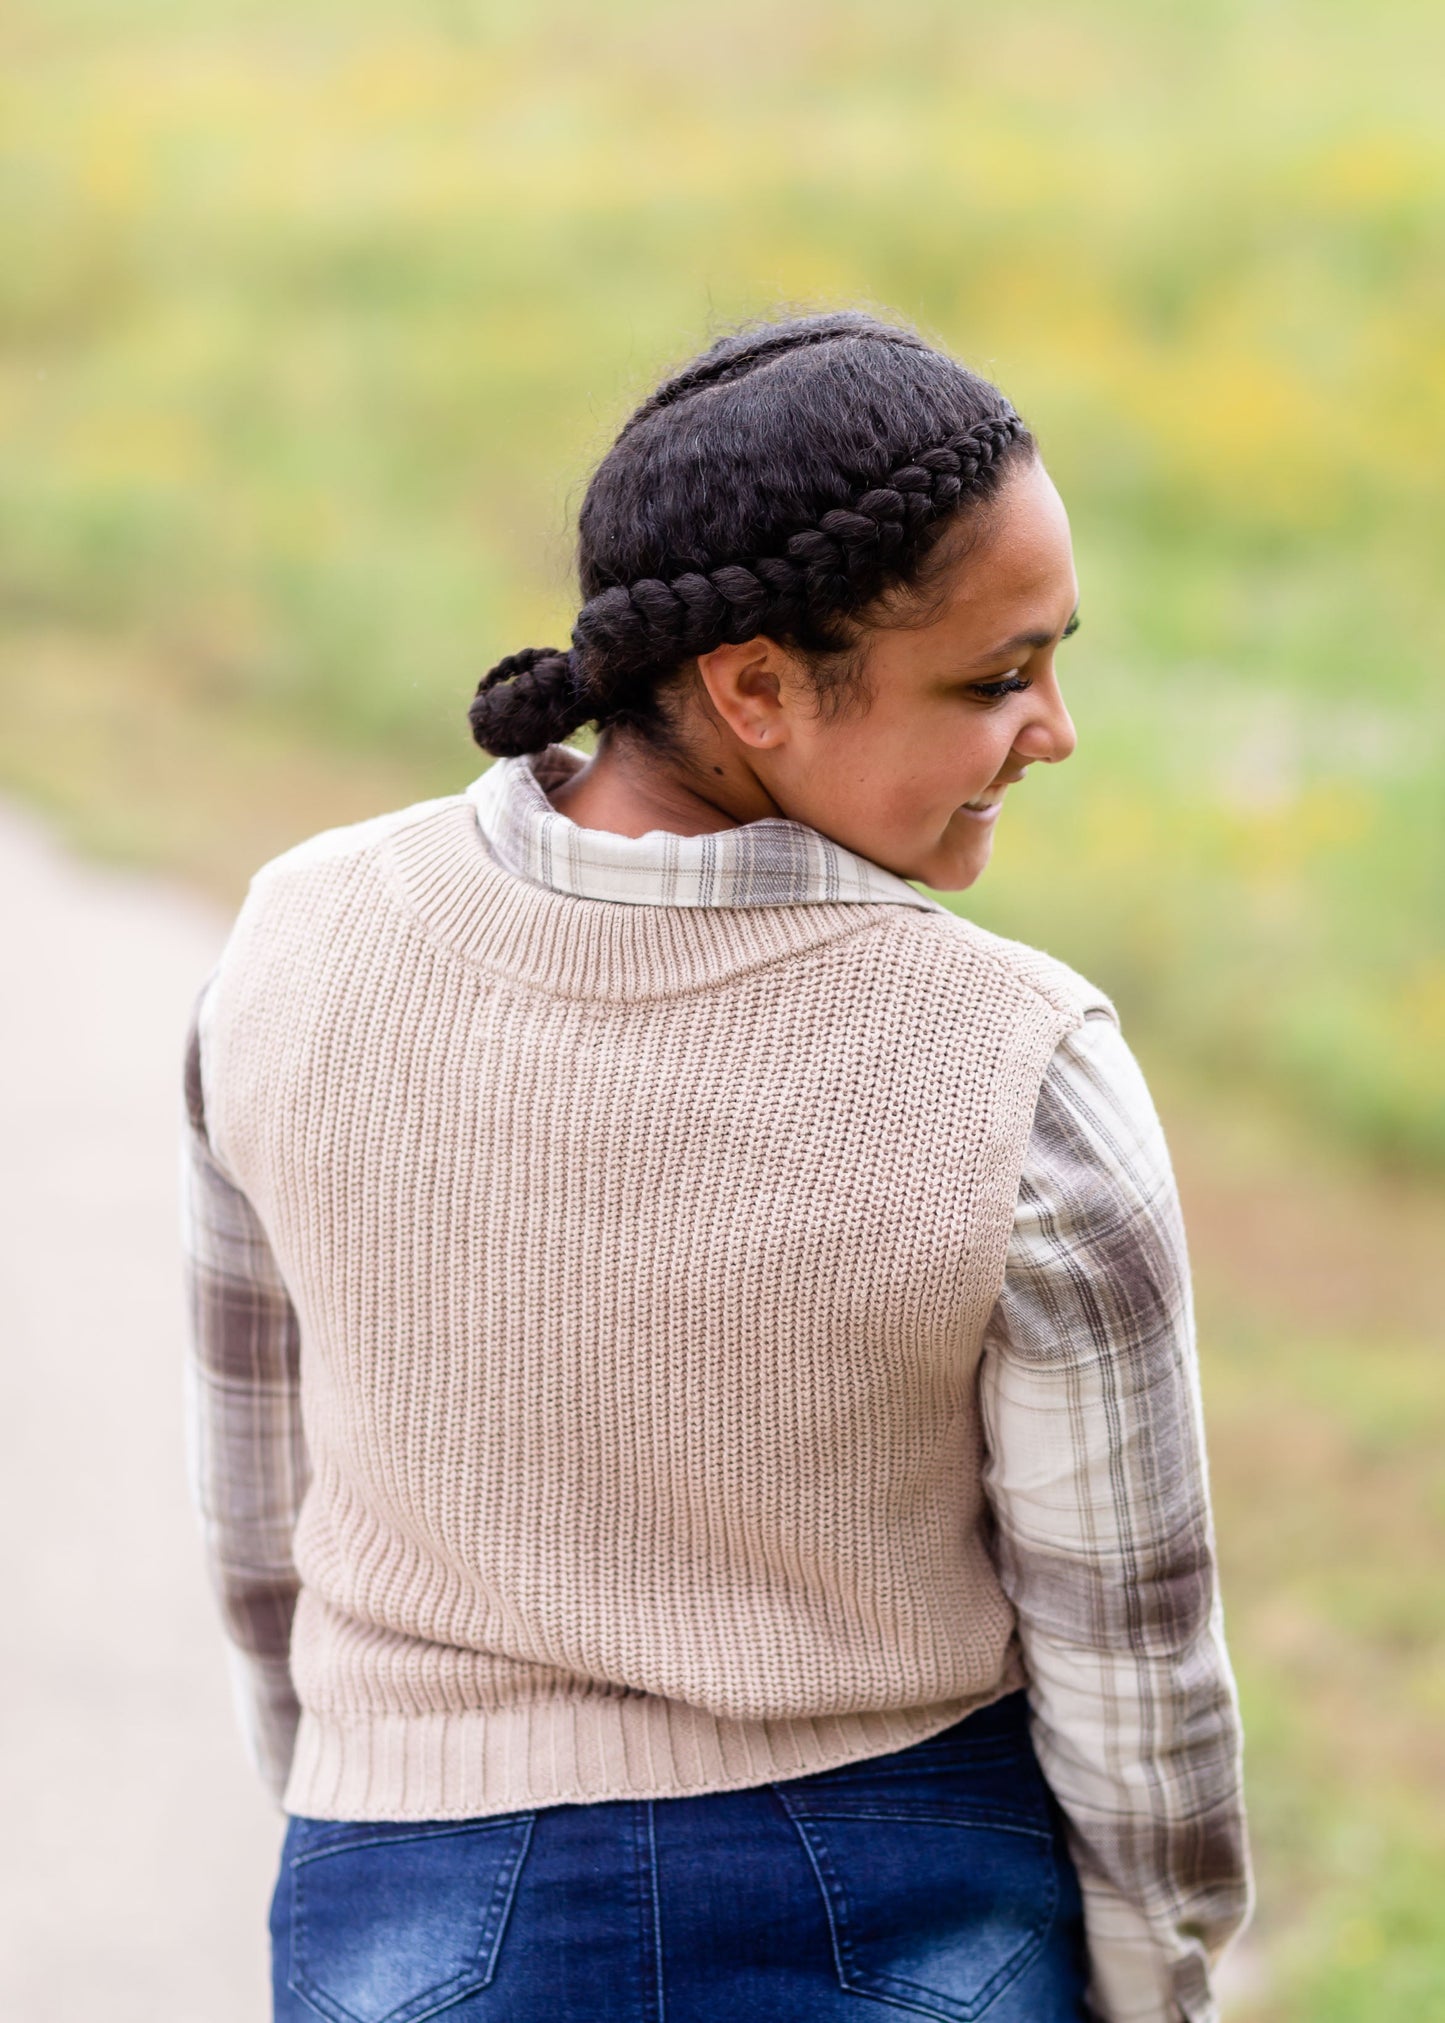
(571,1752)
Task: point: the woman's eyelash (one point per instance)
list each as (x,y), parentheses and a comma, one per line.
(1013,684)
(994,691)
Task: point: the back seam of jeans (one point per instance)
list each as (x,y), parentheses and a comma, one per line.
(656,1913)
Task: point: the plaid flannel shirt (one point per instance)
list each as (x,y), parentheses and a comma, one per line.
(1089,1390)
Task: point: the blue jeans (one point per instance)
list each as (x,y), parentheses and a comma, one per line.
(934,1881)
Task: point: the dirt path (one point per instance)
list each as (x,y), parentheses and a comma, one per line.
(136,1887)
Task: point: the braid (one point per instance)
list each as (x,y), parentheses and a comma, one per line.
(684,499)
(839,562)
(733,357)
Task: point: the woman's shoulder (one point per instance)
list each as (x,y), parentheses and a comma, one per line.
(330,884)
(350,843)
(1030,970)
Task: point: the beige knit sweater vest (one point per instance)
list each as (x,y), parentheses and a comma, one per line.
(642,1257)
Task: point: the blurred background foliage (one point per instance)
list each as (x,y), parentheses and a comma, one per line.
(313,319)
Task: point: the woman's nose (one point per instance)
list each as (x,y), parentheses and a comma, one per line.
(1049,736)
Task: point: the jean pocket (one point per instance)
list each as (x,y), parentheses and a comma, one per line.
(392,1921)
(938,1895)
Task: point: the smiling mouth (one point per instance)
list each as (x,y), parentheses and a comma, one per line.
(986,801)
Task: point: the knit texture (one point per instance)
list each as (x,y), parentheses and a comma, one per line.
(642,1258)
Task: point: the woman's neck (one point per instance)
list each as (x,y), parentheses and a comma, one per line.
(628,789)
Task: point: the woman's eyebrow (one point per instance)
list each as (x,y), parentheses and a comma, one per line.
(1025,639)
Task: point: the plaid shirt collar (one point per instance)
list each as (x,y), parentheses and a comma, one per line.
(768,863)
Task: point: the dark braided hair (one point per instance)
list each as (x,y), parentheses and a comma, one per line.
(786,480)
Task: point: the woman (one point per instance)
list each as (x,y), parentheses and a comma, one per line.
(695,1402)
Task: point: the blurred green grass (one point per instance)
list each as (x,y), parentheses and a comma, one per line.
(1319,1293)
(1336,1621)
(312,321)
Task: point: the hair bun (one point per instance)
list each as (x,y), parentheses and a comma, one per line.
(528,701)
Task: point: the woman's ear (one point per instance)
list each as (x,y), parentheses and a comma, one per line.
(751,687)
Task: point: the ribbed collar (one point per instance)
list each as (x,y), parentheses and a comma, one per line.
(767,863)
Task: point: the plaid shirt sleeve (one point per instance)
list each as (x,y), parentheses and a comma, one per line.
(1096,1474)
(245,1449)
